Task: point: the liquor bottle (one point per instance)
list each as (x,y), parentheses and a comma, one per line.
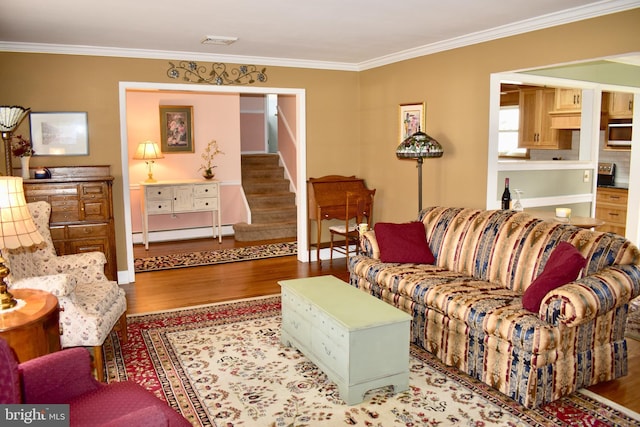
(506,195)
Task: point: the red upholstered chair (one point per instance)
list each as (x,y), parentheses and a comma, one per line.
(64,377)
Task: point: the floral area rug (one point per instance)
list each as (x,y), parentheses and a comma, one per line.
(223,365)
(194,259)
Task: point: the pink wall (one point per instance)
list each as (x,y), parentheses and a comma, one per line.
(252,123)
(215,116)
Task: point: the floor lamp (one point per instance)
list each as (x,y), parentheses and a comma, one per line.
(419,146)
(10,118)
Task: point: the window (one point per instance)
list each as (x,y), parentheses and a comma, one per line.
(509,119)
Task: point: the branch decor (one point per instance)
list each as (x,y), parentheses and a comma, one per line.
(219,75)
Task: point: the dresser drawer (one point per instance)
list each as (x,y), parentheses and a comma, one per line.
(295,303)
(97,190)
(332,329)
(297,326)
(82,231)
(334,357)
(64,209)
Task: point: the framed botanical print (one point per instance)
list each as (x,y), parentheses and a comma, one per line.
(411,119)
(176,129)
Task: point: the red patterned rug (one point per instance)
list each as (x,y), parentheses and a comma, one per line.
(221,256)
(223,365)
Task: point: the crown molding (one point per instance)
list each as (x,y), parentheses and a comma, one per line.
(604,7)
(170,55)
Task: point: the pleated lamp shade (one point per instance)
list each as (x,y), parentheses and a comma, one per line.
(17,228)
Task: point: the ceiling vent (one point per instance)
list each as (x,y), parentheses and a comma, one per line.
(219,40)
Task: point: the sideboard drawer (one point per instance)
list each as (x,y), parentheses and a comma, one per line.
(159,193)
(205,203)
(159,207)
(205,190)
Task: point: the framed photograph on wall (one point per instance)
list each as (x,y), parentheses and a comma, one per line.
(59,134)
(176,129)
(411,119)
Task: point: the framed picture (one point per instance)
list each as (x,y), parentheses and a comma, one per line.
(59,134)
(176,129)
(411,119)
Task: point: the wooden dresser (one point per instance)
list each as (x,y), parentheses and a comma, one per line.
(81,210)
(611,207)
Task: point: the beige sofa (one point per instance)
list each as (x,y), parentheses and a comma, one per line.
(467,306)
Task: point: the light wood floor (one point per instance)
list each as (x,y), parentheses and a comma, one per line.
(164,290)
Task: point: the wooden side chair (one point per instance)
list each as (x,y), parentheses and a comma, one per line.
(358,210)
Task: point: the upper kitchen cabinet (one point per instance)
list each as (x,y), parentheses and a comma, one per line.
(536,130)
(568,100)
(620,105)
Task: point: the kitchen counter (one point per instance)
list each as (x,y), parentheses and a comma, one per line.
(619,186)
(578,221)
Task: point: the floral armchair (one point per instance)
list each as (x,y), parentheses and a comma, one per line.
(90,304)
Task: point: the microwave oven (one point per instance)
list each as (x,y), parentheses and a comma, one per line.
(619,132)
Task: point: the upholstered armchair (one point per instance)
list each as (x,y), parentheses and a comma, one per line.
(90,304)
(64,377)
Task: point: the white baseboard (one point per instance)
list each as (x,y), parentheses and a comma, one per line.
(183,234)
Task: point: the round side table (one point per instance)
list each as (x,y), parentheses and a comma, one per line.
(32,328)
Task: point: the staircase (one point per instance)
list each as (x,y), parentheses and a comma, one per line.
(273,206)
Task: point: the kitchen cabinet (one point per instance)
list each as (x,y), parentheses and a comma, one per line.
(568,100)
(620,105)
(81,210)
(535,121)
(611,207)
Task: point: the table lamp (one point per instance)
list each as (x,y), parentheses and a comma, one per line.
(17,229)
(148,151)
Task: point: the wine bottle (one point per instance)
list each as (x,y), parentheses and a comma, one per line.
(506,195)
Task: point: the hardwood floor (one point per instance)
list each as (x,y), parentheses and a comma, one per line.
(170,289)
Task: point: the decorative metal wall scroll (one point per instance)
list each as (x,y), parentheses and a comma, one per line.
(219,75)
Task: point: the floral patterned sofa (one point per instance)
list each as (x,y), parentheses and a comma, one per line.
(467,305)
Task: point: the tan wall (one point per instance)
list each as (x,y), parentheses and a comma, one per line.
(455,87)
(48,82)
(352,118)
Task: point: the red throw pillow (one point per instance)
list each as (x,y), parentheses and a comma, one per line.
(403,243)
(563,266)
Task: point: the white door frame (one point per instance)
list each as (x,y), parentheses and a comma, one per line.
(128,276)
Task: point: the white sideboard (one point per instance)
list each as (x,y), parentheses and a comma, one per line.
(174,197)
(359,341)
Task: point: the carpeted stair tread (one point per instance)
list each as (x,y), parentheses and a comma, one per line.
(267,186)
(247,232)
(257,200)
(267,215)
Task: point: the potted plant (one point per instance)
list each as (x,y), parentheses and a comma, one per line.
(208,155)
